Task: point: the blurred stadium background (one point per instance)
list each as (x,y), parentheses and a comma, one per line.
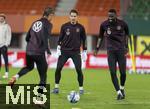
(21,13)
(99,93)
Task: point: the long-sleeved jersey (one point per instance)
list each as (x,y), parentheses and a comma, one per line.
(5,34)
(37,37)
(72,36)
(116,34)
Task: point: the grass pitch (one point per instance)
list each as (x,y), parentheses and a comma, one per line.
(99,91)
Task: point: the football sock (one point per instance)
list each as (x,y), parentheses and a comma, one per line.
(6,73)
(16,76)
(56,85)
(122,87)
(80,88)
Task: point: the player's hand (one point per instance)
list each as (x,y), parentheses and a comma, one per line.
(84,55)
(58,50)
(95,52)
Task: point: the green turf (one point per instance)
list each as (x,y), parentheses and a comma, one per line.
(99,92)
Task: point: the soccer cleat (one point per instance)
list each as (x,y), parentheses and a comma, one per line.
(12,81)
(55,91)
(123,93)
(120,97)
(81,92)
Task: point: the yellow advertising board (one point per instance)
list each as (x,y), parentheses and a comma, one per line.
(143,45)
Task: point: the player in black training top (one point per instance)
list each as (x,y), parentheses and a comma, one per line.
(116,33)
(72,35)
(37,43)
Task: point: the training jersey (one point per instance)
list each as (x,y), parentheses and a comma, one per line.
(71,37)
(37,37)
(116,34)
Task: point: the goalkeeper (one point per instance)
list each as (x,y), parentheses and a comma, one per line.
(72,34)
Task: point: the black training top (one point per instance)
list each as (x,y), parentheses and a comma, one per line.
(116,34)
(37,37)
(71,37)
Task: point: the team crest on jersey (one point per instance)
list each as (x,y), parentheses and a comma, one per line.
(118,27)
(108,31)
(37,26)
(77,30)
(68,31)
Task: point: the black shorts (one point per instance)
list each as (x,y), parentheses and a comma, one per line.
(74,55)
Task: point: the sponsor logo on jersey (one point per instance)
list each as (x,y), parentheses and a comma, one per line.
(108,31)
(68,31)
(77,30)
(37,26)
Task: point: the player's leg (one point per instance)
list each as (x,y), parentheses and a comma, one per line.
(112,61)
(41,64)
(23,71)
(77,62)
(5,56)
(29,65)
(42,69)
(61,61)
(122,68)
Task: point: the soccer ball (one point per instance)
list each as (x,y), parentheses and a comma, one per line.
(73,97)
